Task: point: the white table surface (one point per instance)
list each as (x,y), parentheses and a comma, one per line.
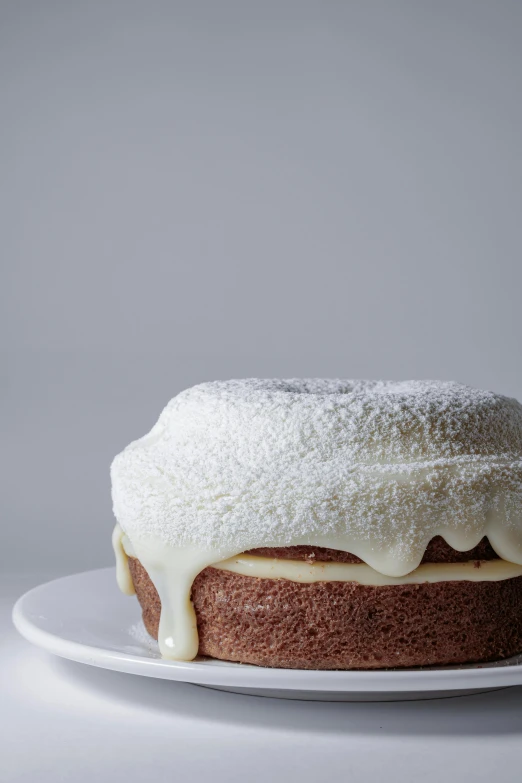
(63,721)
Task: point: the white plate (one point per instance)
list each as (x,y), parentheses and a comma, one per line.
(85,618)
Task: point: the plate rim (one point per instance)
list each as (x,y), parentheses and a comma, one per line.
(209,672)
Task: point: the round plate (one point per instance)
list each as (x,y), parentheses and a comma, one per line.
(85,618)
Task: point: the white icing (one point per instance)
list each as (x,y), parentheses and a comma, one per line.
(374,468)
(123,576)
(379,468)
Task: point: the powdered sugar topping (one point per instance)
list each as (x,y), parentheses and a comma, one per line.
(373,467)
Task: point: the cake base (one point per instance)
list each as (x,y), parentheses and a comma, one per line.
(345,625)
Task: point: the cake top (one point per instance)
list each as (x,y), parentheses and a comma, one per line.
(373,467)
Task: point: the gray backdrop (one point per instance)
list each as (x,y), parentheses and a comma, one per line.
(202,190)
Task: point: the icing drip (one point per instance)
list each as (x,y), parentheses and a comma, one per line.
(172,571)
(123,576)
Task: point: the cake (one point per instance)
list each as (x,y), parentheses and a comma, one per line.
(326,524)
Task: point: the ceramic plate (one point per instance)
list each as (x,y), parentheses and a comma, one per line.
(85,618)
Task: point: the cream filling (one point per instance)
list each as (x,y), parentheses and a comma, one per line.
(363,574)
(173,570)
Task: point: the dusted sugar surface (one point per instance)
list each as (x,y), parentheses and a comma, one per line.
(376,468)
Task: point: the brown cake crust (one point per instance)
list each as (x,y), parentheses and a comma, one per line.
(345,625)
